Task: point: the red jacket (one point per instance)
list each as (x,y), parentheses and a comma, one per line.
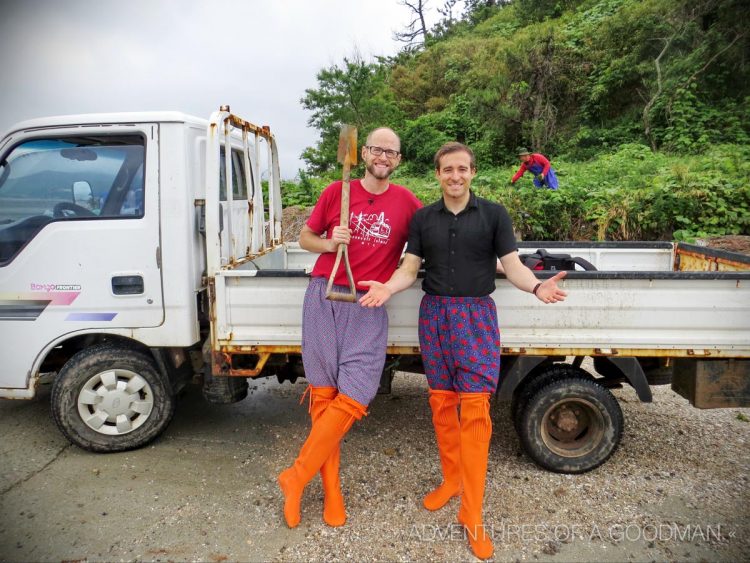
(536,158)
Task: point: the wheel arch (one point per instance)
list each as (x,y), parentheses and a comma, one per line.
(57,353)
(630,369)
(514,375)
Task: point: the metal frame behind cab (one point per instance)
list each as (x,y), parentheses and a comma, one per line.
(264,235)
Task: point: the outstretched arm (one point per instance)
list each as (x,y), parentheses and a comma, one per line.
(521,172)
(401,279)
(524,279)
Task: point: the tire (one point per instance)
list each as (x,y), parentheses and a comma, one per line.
(529,388)
(223,390)
(591,431)
(94,408)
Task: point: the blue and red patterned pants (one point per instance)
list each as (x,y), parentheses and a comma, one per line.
(460,342)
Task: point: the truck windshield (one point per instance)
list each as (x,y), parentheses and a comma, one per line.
(68,178)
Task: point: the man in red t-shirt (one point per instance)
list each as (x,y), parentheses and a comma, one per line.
(344,344)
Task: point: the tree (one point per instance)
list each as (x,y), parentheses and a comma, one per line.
(499,73)
(417,27)
(355,93)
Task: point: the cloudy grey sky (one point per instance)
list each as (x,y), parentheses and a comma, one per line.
(81,56)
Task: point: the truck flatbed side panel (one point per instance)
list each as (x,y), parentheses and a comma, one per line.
(696,313)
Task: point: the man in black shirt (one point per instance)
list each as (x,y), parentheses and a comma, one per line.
(461,237)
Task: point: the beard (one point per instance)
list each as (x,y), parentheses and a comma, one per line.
(379,173)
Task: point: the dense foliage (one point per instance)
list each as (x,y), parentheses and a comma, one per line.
(642,105)
(631,194)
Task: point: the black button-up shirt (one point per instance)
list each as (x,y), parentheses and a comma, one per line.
(460,251)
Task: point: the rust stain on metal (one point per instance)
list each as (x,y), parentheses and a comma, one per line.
(240,261)
(259,355)
(710,384)
(692,261)
(219,363)
(249,349)
(263,131)
(509,351)
(212,299)
(403,350)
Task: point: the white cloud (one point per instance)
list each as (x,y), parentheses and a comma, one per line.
(81,56)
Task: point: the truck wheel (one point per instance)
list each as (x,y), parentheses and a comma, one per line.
(555,372)
(110,398)
(224,389)
(571,425)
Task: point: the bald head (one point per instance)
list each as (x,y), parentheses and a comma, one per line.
(383,133)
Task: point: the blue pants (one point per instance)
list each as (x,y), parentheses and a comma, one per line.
(460,343)
(550,180)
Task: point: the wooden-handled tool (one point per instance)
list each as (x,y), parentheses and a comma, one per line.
(347,155)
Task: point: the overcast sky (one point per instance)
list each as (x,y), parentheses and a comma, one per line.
(80,56)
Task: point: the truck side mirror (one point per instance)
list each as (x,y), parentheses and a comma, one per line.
(83,195)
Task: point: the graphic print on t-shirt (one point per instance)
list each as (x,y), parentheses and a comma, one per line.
(370,228)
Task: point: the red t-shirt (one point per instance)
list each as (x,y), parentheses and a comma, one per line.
(379,224)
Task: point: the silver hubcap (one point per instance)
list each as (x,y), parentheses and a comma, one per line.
(115,402)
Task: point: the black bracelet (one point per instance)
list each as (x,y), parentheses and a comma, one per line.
(536,287)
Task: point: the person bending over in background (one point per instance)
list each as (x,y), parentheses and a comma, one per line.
(344,344)
(460,237)
(538,165)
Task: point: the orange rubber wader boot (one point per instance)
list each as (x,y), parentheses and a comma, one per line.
(476,430)
(444,406)
(325,435)
(334,512)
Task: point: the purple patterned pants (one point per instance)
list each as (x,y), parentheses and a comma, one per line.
(343,344)
(460,343)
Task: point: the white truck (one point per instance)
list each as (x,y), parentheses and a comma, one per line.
(137,250)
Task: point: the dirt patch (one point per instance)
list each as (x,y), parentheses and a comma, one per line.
(292,220)
(733,243)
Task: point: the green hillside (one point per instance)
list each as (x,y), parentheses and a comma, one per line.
(642,106)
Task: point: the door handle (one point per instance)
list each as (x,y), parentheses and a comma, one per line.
(127,285)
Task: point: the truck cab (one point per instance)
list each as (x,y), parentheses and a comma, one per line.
(103,258)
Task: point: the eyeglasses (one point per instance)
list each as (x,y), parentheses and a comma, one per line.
(377,151)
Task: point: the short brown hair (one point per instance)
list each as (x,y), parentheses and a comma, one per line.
(452,147)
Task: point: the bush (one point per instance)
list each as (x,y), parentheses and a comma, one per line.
(421,139)
(630,194)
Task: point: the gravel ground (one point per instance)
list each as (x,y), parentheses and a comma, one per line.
(676,490)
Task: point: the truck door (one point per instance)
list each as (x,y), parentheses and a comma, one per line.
(79,238)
